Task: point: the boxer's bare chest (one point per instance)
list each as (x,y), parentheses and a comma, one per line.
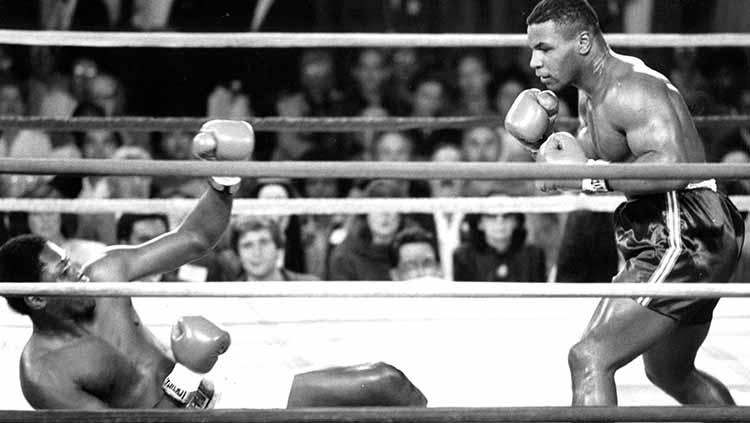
(609,143)
(121,327)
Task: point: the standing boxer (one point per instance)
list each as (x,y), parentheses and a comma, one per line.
(669,231)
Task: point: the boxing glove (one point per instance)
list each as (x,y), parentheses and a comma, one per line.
(531,116)
(224,140)
(548,100)
(196,345)
(561,147)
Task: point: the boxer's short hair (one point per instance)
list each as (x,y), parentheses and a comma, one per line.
(577,15)
(19,262)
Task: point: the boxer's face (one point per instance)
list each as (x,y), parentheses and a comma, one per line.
(553,54)
(58,267)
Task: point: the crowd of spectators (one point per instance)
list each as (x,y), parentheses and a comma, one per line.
(370,82)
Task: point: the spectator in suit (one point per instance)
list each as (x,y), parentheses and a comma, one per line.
(260,246)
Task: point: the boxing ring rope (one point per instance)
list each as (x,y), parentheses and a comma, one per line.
(373,170)
(298,124)
(428,288)
(349,39)
(324,206)
(270,124)
(391,415)
(329,206)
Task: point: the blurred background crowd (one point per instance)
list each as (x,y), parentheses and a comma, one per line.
(238,83)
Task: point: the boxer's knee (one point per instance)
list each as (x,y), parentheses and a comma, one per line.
(586,358)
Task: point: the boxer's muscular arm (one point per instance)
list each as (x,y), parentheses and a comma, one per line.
(198,233)
(202,228)
(583,134)
(652,130)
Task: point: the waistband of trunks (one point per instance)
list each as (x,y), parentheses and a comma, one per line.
(708,183)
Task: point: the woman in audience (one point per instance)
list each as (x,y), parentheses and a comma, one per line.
(318,229)
(363,254)
(496,251)
(294,252)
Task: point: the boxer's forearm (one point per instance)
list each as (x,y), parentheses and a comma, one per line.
(208,220)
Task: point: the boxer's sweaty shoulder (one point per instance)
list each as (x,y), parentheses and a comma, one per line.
(638,110)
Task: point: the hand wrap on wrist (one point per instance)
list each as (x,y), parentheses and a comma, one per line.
(181,384)
(595,185)
(225,184)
